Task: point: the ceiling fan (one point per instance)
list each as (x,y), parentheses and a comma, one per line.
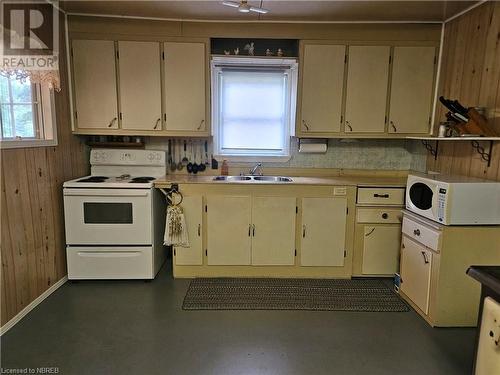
(243,7)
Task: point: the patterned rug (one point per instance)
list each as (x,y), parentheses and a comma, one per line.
(370,295)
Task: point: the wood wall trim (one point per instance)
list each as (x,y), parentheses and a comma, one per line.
(470,72)
(32,224)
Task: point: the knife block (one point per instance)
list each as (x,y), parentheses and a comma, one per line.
(477,124)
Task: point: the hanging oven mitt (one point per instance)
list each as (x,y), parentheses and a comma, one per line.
(176,233)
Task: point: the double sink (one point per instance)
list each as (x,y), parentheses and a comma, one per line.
(252,179)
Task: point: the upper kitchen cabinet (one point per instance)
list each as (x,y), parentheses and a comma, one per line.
(185,88)
(94,78)
(412,90)
(322,88)
(367,84)
(140,85)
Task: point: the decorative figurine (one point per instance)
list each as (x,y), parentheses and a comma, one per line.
(250,48)
(279,53)
(268,52)
(227,52)
(237,51)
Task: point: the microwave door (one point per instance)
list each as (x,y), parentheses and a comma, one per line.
(421,197)
(99,217)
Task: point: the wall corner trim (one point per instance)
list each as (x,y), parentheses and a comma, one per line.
(21,314)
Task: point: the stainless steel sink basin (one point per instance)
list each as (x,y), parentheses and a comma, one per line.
(272,179)
(253,178)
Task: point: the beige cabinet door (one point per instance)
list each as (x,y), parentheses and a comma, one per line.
(193,212)
(229,230)
(322,88)
(140,85)
(381,249)
(184,90)
(416,262)
(94,76)
(323,231)
(367,82)
(273,231)
(411,89)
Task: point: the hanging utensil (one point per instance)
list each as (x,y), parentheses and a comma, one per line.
(180,164)
(189,166)
(207,163)
(171,150)
(195,165)
(185,160)
(202,166)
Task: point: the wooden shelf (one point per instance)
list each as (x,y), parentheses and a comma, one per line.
(429,138)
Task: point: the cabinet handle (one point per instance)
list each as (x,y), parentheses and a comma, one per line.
(305,124)
(381,195)
(394,126)
(385,215)
(253,230)
(112,122)
(373,230)
(304,231)
(199,230)
(249,230)
(349,125)
(201,123)
(157,123)
(416,232)
(424,254)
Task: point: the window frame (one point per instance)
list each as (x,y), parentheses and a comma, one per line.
(45,118)
(290,66)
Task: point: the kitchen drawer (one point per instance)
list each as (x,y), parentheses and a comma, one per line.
(379,215)
(421,233)
(381,196)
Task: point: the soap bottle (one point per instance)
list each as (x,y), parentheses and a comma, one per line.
(224,169)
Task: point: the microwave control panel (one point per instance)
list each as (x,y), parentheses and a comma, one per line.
(442,191)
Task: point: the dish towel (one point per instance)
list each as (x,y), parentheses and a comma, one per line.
(176,233)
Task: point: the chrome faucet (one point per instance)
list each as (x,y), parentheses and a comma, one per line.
(253,170)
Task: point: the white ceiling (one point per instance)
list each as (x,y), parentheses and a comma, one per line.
(292,10)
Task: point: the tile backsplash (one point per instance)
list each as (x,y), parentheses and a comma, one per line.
(375,154)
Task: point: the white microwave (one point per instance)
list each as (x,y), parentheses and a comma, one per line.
(454,200)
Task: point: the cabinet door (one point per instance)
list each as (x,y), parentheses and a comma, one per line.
(411,89)
(416,262)
(322,87)
(185,99)
(94,73)
(193,212)
(229,230)
(273,231)
(367,82)
(381,249)
(323,231)
(140,85)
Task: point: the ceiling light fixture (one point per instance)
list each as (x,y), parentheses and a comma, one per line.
(243,7)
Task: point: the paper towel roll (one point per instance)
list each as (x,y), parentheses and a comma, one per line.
(312,148)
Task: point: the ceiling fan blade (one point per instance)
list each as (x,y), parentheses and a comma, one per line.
(259,10)
(231,4)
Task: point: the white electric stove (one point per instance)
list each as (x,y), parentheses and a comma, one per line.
(114,218)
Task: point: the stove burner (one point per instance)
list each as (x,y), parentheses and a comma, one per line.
(142,180)
(94,179)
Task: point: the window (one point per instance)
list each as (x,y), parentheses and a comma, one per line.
(26,113)
(253,108)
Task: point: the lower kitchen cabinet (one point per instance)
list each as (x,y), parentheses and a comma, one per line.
(193,212)
(229,230)
(323,231)
(416,264)
(273,230)
(380,249)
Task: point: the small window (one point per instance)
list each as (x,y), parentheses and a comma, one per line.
(253,108)
(26,113)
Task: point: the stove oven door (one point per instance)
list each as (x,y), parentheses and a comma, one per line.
(108,216)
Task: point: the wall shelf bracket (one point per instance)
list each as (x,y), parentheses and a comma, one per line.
(485,155)
(432,149)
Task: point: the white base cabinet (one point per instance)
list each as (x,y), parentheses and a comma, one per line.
(381,249)
(193,212)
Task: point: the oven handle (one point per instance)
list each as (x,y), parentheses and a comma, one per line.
(109,254)
(106,193)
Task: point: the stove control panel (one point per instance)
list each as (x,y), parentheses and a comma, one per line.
(127,157)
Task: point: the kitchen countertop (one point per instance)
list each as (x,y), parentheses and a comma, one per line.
(486,275)
(360,181)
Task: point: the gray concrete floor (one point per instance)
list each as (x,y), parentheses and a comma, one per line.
(133,327)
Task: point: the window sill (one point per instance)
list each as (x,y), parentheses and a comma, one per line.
(252,159)
(27,143)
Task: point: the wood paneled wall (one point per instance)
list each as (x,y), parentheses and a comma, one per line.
(32,227)
(471,73)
